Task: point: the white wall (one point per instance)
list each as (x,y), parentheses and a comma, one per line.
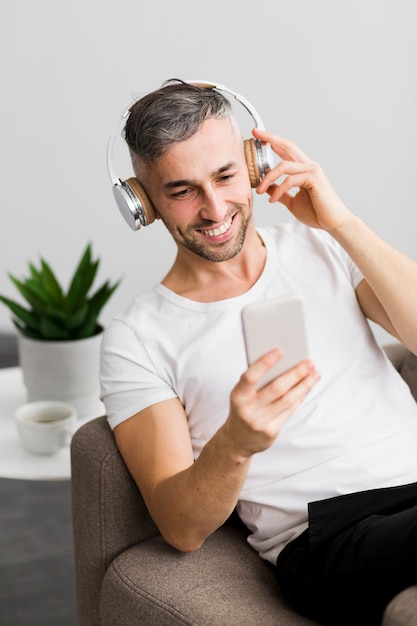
(337,77)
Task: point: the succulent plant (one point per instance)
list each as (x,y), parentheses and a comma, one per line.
(54,315)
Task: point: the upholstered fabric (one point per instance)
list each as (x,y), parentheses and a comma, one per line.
(402,610)
(127,575)
(220,584)
(409,372)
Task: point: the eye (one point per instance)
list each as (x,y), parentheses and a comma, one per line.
(181,194)
(226,177)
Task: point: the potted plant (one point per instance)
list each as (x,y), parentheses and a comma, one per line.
(59,333)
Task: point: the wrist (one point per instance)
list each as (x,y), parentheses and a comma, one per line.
(231,449)
(346,229)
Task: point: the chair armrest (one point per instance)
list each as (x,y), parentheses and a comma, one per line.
(108,512)
(396,352)
(402,610)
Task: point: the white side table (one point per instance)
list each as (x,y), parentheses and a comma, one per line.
(15,461)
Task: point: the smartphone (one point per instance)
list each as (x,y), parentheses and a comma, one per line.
(276,323)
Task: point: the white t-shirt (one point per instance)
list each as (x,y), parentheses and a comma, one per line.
(356,430)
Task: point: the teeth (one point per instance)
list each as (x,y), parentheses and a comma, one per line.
(218,231)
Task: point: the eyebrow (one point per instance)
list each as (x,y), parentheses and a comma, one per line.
(185,183)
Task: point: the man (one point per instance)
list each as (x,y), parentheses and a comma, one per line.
(194,431)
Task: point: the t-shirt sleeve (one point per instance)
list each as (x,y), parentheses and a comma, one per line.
(129,380)
(354,272)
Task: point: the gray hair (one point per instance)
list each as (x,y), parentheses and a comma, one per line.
(169,115)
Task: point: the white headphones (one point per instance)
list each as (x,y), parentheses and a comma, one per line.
(132,199)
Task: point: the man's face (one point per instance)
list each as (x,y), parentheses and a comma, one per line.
(201,191)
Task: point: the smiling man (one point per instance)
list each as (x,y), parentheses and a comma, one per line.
(334,438)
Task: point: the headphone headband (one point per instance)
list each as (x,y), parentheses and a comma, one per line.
(130,196)
(207,84)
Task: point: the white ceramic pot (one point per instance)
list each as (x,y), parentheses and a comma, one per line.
(67,371)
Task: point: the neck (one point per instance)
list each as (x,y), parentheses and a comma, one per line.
(196,278)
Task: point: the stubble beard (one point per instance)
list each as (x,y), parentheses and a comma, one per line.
(219,252)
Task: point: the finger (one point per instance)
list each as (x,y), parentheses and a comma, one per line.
(285,148)
(282,384)
(279,196)
(279,193)
(287,404)
(288,169)
(251,377)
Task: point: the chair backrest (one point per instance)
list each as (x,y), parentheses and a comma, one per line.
(108,512)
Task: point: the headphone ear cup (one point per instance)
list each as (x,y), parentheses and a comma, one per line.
(259,160)
(143,198)
(252,162)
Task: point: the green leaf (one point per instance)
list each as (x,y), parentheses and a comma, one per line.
(96,303)
(78,318)
(35,274)
(87,329)
(53,331)
(81,281)
(81,286)
(21,328)
(21,313)
(57,314)
(51,315)
(32,294)
(51,284)
(37,288)
(100,297)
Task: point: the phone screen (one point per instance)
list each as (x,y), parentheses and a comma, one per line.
(276,323)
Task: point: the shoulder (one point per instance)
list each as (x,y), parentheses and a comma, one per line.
(134,317)
(296,244)
(295,236)
(296,232)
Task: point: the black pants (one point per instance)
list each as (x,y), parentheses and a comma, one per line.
(358,552)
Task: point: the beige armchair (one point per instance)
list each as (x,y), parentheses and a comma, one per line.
(127,575)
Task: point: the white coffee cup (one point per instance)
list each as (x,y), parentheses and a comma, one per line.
(45,427)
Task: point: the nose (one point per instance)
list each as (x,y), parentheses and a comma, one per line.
(213,207)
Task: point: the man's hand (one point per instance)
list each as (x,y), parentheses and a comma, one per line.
(257,416)
(316,204)
(388,293)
